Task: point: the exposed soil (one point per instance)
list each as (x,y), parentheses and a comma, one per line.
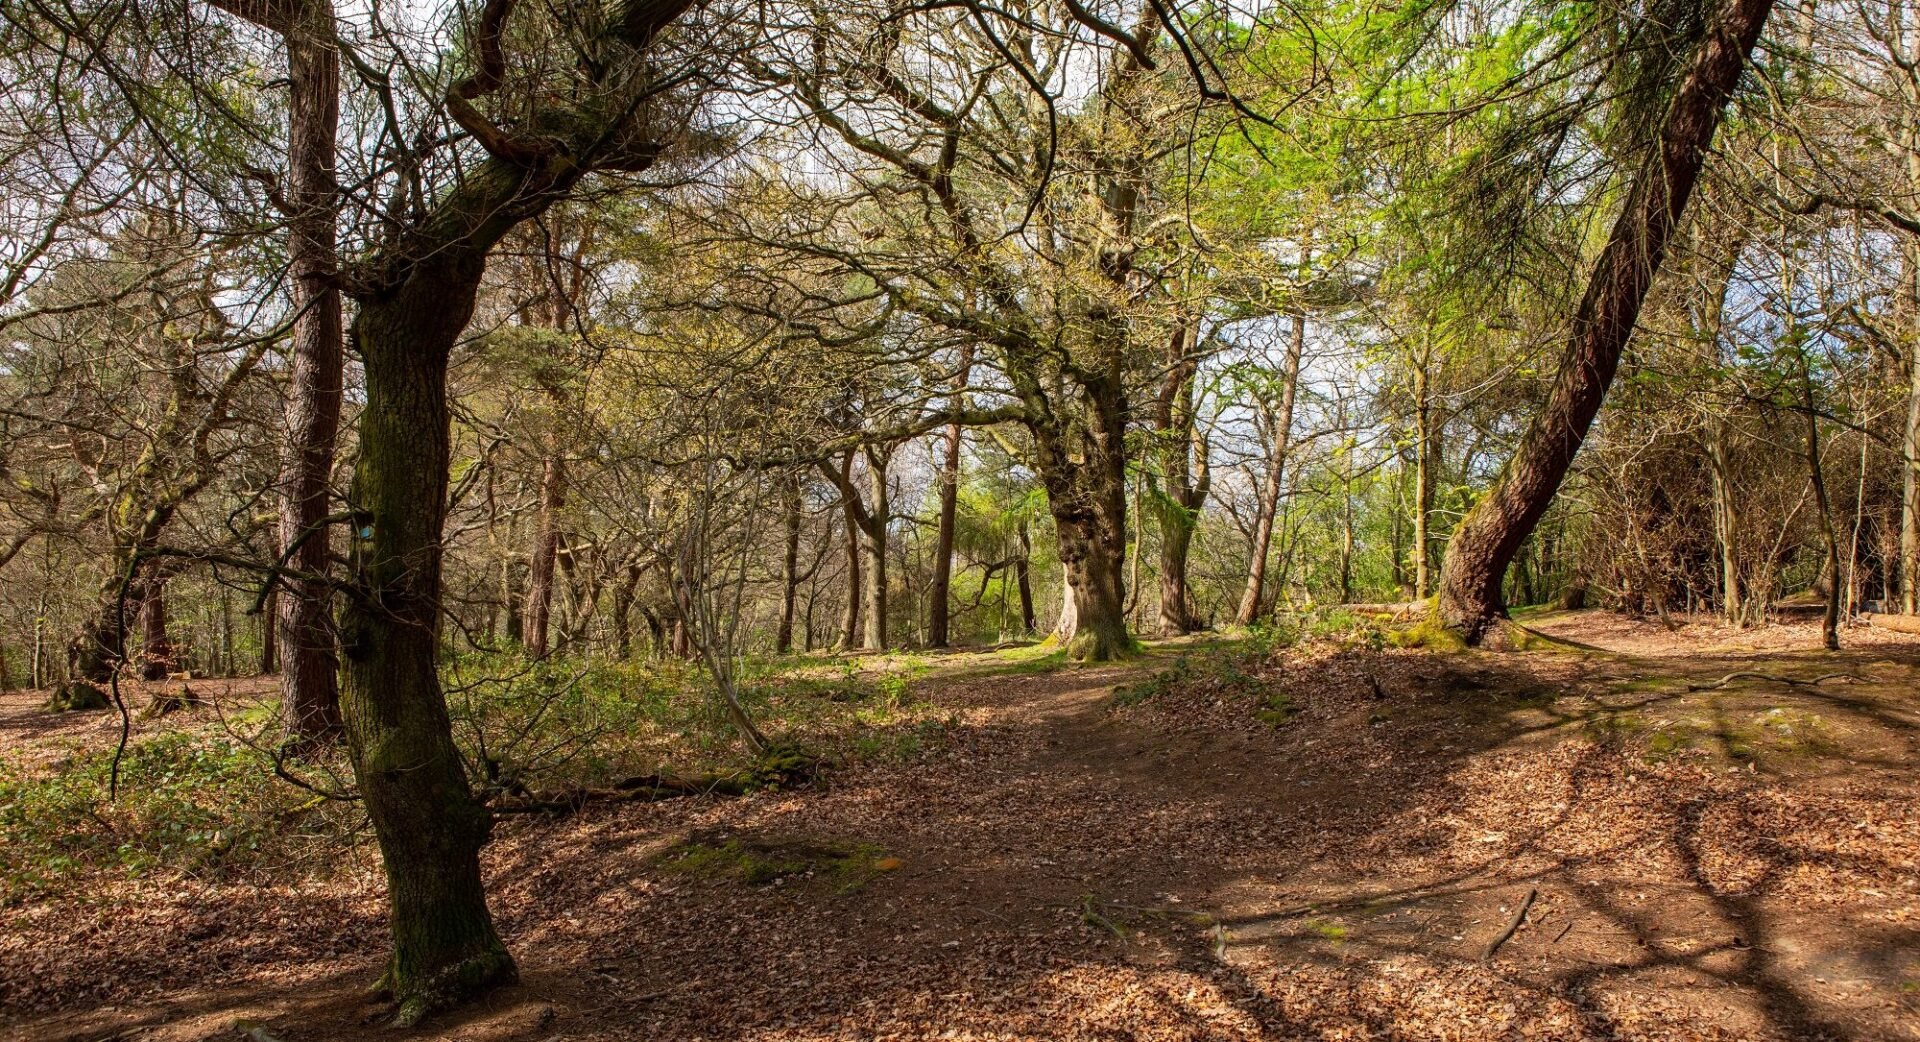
(1319,847)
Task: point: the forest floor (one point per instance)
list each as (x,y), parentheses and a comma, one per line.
(1200,844)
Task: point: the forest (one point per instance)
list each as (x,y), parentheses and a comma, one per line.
(963,519)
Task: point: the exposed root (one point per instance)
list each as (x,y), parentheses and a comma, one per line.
(1747,674)
(1513,926)
(445,988)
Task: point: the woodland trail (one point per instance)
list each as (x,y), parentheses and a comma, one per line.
(1317,847)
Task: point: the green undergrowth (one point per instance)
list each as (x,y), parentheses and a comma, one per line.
(835,867)
(1231,668)
(186,803)
(203,798)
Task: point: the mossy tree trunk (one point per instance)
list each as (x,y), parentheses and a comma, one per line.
(429,825)
(1082,465)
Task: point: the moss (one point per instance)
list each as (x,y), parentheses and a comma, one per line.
(1276,709)
(77,696)
(1328,931)
(1428,633)
(839,867)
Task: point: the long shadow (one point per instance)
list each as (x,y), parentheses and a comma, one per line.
(1007,842)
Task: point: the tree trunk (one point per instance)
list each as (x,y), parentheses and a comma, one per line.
(1423,482)
(1183,467)
(546,550)
(623,611)
(878,510)
(1087,495)
(1816,476)
(429,825)
(156,648)
(1023,579)
(1910,465)
(309,688)
(1279,441)
(939,591)
(856,589)
(1471,599)
(1726,526)
(269,635)
(789,570)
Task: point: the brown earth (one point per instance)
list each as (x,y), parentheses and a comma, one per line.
(1318,846)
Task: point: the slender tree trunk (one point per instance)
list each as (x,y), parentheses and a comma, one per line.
(1910,290)
(1471,599)
(156,648)
(1726,523)
(940,590)
(1023,580)
(546,552)
(789,570)
(849,636)
(269,635)
(1816,476)
(878,510)
(1184,469)
(309,687)
(429,825)
(623,611)
(1423,481)
(1910,458)
(1279,441)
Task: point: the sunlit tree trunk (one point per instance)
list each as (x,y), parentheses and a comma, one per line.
(939,591)
(1279,440)
(1086,482)
(1023,579)
(309,688)
(878,510)
(1471,600)
(1184,469)
(855,587)
(1424,464)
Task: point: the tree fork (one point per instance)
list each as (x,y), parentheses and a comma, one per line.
(1471,601)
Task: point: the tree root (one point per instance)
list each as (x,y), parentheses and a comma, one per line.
(781,768)
(444,988)
(1513,926)
(1747,674)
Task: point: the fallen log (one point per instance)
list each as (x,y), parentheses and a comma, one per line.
(1897,623)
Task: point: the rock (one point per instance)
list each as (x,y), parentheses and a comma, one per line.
(76,696)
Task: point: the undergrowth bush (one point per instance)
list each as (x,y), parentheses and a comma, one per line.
(185,803)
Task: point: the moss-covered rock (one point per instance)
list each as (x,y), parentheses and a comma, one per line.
(77,696)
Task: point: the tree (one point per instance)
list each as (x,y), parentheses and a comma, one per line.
(1472,599)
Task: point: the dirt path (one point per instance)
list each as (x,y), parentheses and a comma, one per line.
(1318,848)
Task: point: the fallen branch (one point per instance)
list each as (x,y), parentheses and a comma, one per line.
(1513,926)
(1747,674)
